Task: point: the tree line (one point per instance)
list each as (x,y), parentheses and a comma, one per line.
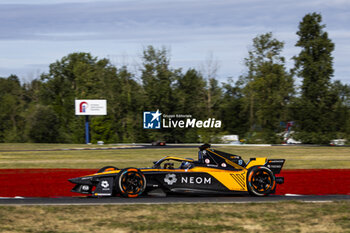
(257,106)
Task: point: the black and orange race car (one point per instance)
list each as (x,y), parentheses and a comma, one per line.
(214,172)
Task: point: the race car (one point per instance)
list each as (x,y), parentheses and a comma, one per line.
(159,143)
(215,172)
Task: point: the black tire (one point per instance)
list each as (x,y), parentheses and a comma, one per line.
(131,182)
(107,169)
(261,181)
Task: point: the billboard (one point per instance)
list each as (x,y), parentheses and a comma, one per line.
(90,107)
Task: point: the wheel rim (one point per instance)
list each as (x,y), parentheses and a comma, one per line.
(132,183)
(262,181)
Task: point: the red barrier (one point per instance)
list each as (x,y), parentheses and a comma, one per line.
(39,182)
(315,181)
(54,182)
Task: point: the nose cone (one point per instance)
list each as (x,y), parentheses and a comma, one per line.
(75,180)
(81,180)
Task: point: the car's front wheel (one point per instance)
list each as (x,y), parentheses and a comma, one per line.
(261,181)
(131,182)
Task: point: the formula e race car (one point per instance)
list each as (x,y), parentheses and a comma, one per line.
(214,172)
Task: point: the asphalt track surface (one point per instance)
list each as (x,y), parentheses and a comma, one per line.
(169,200)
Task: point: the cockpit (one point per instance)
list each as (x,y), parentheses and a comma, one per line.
(206,158)
(173,163)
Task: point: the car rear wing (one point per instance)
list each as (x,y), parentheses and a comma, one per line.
(275,165)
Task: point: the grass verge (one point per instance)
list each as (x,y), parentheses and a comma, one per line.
(296,157)
(262,217)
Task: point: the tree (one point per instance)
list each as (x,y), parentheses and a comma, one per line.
(12,106)
(158,81)
(209,69)
(190,94)
(231,111)
(79,76)
(44,125)
(190,91)
(342,109)
(314,64)
(267,86)
(125,108)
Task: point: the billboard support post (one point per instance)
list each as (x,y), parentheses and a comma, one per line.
(87,130)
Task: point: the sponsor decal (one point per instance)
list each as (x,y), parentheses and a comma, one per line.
(104,187)
(85,187)
(274,166)
(152,120)
(105,184)
(276,161)
(170,179)
(196,180)
(83,106)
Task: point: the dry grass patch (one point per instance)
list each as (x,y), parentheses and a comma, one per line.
(262,217)
(296,156)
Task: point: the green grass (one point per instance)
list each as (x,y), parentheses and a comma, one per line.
(262,217)
(296,157)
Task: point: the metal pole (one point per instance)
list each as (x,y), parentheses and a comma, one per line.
(87,138)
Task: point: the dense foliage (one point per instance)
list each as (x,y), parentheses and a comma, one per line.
(256,107)
(316,109)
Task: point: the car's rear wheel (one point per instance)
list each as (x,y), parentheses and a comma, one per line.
(131,182)
(261,181)
(107,169)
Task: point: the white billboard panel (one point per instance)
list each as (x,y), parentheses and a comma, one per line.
(90,107)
